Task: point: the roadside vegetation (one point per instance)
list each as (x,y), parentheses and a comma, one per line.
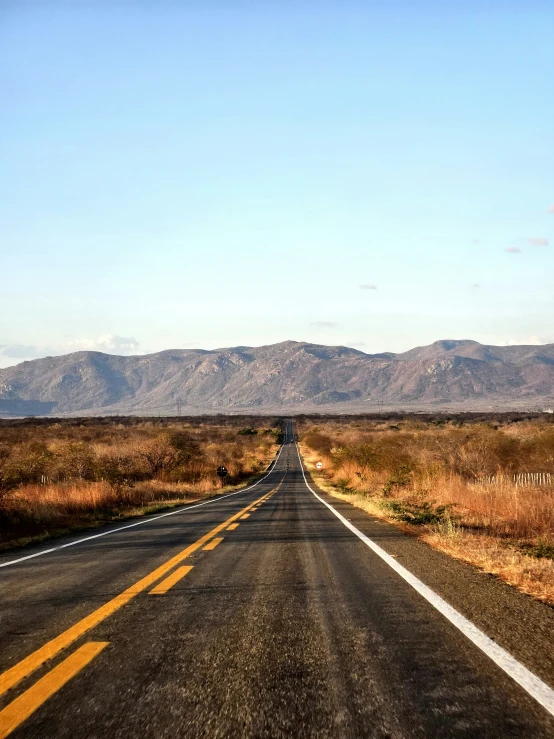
(57,475)
(462,484)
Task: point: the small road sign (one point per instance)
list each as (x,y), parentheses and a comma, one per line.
(319,465)
(222,471)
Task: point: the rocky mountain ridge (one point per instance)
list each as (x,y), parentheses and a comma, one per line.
(287,377)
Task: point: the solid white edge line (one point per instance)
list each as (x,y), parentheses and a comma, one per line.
(140,523)
(532,684)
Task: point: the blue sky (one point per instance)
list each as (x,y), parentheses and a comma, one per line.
(223,173)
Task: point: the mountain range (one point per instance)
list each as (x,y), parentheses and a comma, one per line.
(287,377)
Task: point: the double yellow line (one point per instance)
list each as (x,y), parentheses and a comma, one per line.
(23,706)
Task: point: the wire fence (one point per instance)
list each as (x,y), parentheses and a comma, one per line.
(521,479)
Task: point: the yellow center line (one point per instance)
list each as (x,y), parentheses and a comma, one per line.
(233,526)
(170,580)
(28,665)
(246,515)
(27,703)
(212,544)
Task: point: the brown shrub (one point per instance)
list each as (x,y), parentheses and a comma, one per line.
(62,474)
(437,478)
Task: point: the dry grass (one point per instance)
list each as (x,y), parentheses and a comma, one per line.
(427,479)
(58,477)
(531,575)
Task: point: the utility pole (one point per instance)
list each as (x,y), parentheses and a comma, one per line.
(179,406)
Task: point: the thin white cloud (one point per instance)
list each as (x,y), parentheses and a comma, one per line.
(25,351)
(110,343)
(529,341)
(368,286)
(513,250)
(538,242)
(551,208)
(323,324)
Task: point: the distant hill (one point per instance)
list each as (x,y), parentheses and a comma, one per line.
(286,377)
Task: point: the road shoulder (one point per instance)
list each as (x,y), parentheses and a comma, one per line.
(521,625)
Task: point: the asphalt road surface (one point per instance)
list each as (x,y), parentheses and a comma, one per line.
(266,614)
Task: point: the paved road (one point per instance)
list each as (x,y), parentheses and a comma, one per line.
(270,618)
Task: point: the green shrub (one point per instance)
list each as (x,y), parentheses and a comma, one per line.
(419,513)
(542,550)
(401,477)
(342,485)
